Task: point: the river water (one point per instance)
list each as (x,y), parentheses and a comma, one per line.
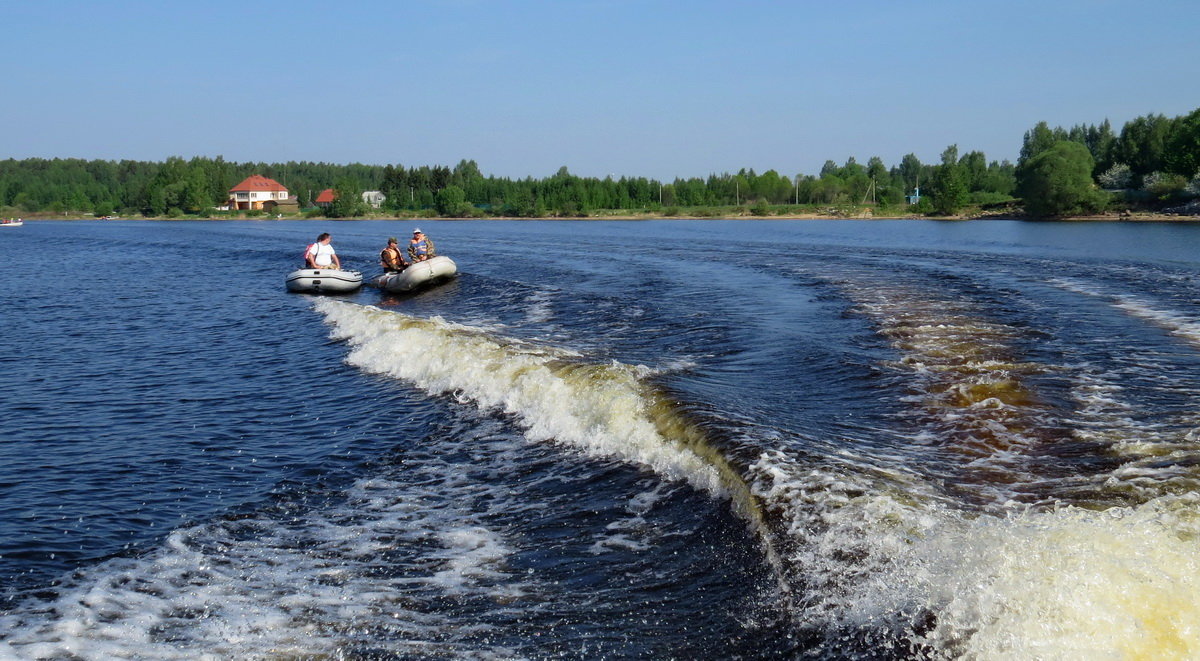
(626,439)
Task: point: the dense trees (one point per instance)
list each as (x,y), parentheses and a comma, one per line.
(1182,154)
(1147,146)
(178,186)
(347,200)
(1153,156)
(452,201)
(1154,160)
(154,188)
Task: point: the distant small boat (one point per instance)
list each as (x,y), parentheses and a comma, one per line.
(418,275)
(11,223)
(324,281)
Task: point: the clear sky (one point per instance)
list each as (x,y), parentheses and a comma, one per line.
(640,88)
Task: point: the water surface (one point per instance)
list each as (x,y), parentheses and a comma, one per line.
(605,439)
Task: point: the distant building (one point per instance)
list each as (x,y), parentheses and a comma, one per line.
(325,198)
(374,198)
(258,192)
(915,197)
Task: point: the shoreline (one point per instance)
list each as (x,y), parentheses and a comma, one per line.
(1109,217)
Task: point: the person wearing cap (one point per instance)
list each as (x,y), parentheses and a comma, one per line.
(320,255)
(420,247)
(390,258)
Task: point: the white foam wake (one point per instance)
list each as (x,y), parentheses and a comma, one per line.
(320,586)
(877,560)
(602,409)
(1176,323)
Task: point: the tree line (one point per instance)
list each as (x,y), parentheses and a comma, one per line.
(197,186)
(1152,160)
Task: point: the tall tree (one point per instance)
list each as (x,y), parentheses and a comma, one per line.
(909,171)
(1039,139)
(1102,143)
(1058,181)
(949,192)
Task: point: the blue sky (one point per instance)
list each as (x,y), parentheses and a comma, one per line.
(657,89)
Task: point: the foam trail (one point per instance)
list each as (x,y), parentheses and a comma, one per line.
(890,562)
(1070,583)
(969,391)
(539,307)
(328,585)
(603,409)
(1173,322)
(883,568)
(1159,454)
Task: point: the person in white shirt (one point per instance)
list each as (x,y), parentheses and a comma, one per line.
(321,255)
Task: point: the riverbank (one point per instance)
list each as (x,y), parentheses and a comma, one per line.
(836,215)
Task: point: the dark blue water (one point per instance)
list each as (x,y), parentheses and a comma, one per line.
(652,439)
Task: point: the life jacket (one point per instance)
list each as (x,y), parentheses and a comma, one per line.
(419,248)
(389,258)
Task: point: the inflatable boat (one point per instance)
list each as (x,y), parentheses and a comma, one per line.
(324,281)
(418,275)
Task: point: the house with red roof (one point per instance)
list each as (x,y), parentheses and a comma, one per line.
(372,197)
(258,192)
(325,198)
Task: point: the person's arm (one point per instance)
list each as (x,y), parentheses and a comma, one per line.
(430,252)
(412,251)
(337,263)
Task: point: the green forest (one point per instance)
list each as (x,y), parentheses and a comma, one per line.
(1152,163)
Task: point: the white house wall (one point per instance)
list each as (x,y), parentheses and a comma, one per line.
(267,195)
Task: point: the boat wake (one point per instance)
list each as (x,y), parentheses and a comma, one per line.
(883,571)
(1175,323)
(872,556)
(605,410)
(869,557)
(369,565)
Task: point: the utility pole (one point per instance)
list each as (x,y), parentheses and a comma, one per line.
(870,191)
